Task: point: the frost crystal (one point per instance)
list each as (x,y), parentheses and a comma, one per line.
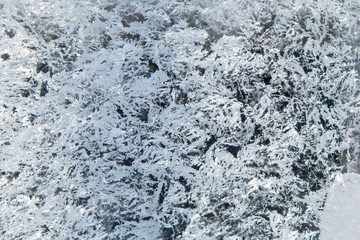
(176,119)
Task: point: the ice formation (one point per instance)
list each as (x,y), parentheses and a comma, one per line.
(175,119)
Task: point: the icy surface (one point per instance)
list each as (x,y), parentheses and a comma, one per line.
(175,119)
(340,219)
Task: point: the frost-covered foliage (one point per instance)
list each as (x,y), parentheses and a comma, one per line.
(196,119)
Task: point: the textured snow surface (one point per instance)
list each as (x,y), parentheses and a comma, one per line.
(340,219)
(175,119)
